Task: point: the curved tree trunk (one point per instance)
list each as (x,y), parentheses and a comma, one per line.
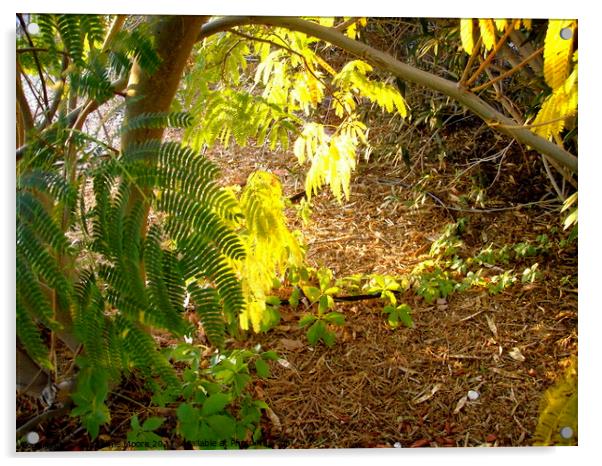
(174,37)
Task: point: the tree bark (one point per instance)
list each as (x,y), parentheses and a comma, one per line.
(175,37)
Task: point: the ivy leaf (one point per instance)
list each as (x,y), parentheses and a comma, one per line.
(189,421)
(393,320)
(135,423)
(315,332)
(93,421)
(328,337)
(312,293)
(215,403)
(187,413)
(403,311)
(306,320)
(270,356)
(293,300)
(324,277)
(152,423)
(323,306)
(335,318)
(390,296)
(262,368)
(223,426)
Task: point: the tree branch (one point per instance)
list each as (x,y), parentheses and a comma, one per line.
(117,86)
(525,49)
(509,72)
(345,24)
(408,73)
(22,104)
(116,26)
(58,94)
(492,54)
(36,59)
(35,421)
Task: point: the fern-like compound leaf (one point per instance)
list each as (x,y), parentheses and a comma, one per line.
(31,338)
(467,35)
(557,51)
(487,29)
(557,108)
(168,313)
(158,120)
(208,308)
(143,352)
(557,423)
(69,28)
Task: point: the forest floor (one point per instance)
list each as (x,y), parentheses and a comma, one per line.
(384,387)
(379,386)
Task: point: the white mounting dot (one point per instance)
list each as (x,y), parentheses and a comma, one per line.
(566,33)
(33,29)
(473,395)
(566,432)
(32,438)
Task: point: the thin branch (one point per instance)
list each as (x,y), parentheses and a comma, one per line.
(563,171)
(525,49)
(23,105)
(553,181)
(493,53)
(345,24)
(116,26)
(499,167)
(505,101)
(34,92)
(537,125)
(39,49)
(471,59)
(281,46)
(499,209)
(36,59)
(70,166)
(58,95)
(71,118)
(32,423)
(509,72)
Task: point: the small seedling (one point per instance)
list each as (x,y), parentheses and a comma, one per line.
(142,436)
(499,283)
(397,315)
(530,274)
(434,285)
(319,323)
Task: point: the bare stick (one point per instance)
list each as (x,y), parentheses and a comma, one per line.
(473,55)
(493,53)
(25,428)
(36,59)
(509,72)
(345,24)
(552,180)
